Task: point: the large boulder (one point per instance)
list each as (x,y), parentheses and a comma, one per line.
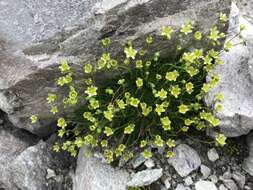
(236,82)
(35,35)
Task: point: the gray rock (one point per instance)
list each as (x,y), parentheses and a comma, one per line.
(188,181)
(213,155)
(144,178)
(91,174)
(182,187)
(222,187)
(213,178)
(167,183)
(248,162)
(236,75)
(205,171)
(239,178)
(185,160)
(50,173)
(230,184)
(204,185)
(137,161)
(149,163)
(34,36)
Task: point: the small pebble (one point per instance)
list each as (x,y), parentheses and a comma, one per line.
(213,155)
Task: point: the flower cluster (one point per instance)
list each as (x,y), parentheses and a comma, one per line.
(146,106)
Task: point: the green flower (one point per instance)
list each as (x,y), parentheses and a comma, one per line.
(147,154)
(88,68)
(223,17)
(51,98)
(34,119)
(170,154)
(64,67)
(218,107)
(187,28)
(129,129)
(175,91)
(109,91)
(188,122)
(108,131)
(91,91)
(108,115)
(183,108)
(106,42)
(159,109)
(228,45)
(61,123)
(143,143)
(172,76)
(104,143)
(121,81)
(145,109)
(198,35)
(189,87)
(170,143)
(121,104)
(206,87)
(54,110)
(214,34)
(220,139)
(149,40)
(139,82)
(130,52)
(159,141)
(167,31)
(94,103)
(134,102)
(219,97)
(192,71)
(139,64)
(162,94)
(166,123)
(158,77)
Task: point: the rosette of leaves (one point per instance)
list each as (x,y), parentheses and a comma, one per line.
(146,106)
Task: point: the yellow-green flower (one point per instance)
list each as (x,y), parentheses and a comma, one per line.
(143,143)
(172,76)
(166,123)
(108,115)
(214,34)
(145,109)
(170,143)
(162,94)
(121,81)
(175,91)
(121,104)
(187,28)
(149,40)
(129,129)
(219,97)
(130,52)
(159,109)
(139,64)
(185,128)
(218,107)
(147,154)
(159,141)
(228,45)
(61,123)
(51,98)
(91,91)
(106,42)
(170,154)
(167,31)
(64,67)
(198,35)
(220,139)
(109,91)
(88,68)
(139,82)
(223,17)
(206,87)
(34,119)
(189,87)
(94,103)
(183,108)
(108,131)
(192,71)
(54,110)
(104,143)
(134,102)
(188,122)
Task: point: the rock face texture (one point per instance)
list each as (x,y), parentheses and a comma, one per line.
(35,35)
(236,73)
(91,174)
(248,162)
